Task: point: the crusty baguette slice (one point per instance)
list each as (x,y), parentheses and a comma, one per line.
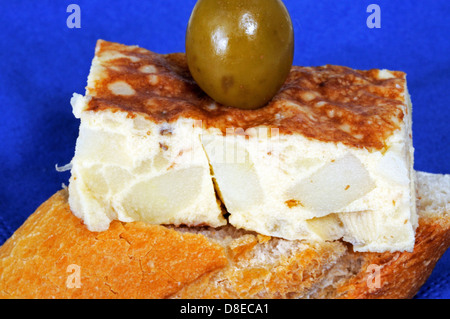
(53,255)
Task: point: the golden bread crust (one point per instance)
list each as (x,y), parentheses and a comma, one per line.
(327,103)
(137,260)
(133,260)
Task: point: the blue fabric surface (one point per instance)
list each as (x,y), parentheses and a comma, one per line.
(42,62)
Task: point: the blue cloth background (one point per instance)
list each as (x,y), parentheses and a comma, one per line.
(42,62)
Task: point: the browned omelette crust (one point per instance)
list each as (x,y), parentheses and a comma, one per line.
(327,103)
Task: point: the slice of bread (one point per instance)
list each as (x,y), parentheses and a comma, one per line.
(53,255)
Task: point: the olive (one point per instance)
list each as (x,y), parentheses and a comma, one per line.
(240,51)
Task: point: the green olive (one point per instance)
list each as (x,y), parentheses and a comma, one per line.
(240,51)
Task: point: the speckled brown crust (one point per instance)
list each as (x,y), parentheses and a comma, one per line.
(327,103)
(138,260)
